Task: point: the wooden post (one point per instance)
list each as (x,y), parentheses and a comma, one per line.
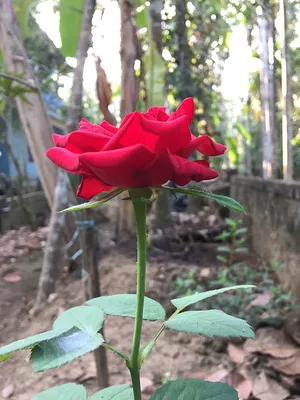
(92,288)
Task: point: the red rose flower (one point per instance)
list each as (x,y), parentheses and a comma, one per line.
(148,149)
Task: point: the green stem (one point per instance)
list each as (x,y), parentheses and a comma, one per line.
(140,209)
(136,384)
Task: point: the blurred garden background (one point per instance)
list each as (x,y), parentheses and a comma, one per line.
(63,60)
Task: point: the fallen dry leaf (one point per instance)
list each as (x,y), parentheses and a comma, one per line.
(236,353)
(287,366)
(195,375)
(12,277)
(292,325)
(291,383)
(8,391)
(265,388)
(244,389)
(262,299)
(218,376)
(104,93)
(271,341)
(235,379)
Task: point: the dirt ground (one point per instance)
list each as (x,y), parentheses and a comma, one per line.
(176,354)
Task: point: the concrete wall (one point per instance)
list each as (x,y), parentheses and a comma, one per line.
(273,209)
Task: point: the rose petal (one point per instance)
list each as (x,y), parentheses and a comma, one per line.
(60,140)
(171,135)
(187,107)
(66,160)
(204,144)
(205,163)
(159,113)
(83,141)
(121,167)
(90,186)
(109,127)
(105,128)
(186,171)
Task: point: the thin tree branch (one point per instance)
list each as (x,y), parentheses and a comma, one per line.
(19,80)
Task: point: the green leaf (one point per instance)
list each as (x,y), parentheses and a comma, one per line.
(70,21)
(222,259)
(212,323)
(26,344)
(100,199)
(22,10)
(64,348)
(119,392)
(223,249)
(154,76)
(194,298)
(69,391)
(124,305)
(243,131)
(222,200)
(240,231)
(223,236)
(89,319)
(241,250)
(141,16)
(195,389)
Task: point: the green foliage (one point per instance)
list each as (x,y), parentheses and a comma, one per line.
(74,334)
(125,305)
(62,349)
(22,10)
(211,323)
(196,389)
(141,14)
(69,391)
(96,201)
(243,131)
(155,76)
(234,239)
(11,87)
(89,319)
(28,343)
(119,392)
(70,21)
(189,300)
(222,200)
(240,303)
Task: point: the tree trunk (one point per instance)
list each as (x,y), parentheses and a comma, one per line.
(125,220)
(155,9)
(53,249)
(128,56)
(74,115)
(248,143)
(184,84)
(162,206)
(33,113)
(267,95)
(274,95)
(287,129)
